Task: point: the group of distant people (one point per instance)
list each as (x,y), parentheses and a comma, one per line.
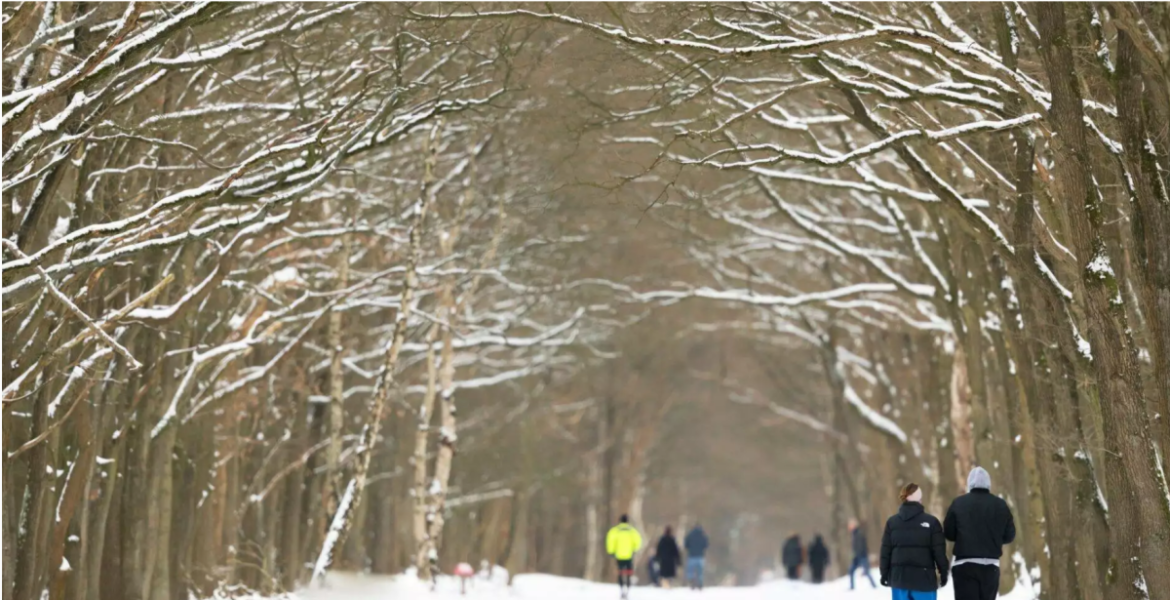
(623,541)
(913,553)
(793,556)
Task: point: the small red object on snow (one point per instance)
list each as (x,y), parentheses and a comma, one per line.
(464,572)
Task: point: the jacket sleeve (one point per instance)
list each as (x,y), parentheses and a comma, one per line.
(610,541)
(637,539)
(950,525)
(939,547)
(1009,531)
(887,550)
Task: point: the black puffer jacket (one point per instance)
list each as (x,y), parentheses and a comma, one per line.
(979,523)
(913,549)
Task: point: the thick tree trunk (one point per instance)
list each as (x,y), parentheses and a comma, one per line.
(1139,515)
(1151,220)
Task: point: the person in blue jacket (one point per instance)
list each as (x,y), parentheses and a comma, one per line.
(696,545)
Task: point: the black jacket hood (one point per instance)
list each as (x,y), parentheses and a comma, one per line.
(909,510)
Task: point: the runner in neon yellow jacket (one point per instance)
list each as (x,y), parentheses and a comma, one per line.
(622,542)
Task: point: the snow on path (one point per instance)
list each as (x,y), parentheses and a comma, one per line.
(551,587)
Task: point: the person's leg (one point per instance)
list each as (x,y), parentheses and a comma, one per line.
(700,565)
(865,569)
(625,571)
(900,594)
(852,568)
(989,582)
(976,581)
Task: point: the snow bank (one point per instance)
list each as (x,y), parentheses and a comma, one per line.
(349,586)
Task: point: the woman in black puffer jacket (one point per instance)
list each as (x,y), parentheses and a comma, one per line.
(913,549)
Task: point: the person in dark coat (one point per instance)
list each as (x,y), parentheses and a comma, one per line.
(860,552)
(696,545)
(913,549)
(792,556)
(669,557)
(979,523)
(818,558)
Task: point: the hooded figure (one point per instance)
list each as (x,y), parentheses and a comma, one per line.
(979,523)
(792,556)
(818,558)
(696,545)
(913,549)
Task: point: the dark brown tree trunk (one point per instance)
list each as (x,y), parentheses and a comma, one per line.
(1139,515)
(1151,221)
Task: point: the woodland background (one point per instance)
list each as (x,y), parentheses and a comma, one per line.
(750,265)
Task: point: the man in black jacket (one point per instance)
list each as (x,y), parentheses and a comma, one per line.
(979,523)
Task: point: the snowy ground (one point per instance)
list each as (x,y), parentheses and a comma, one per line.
(549,587)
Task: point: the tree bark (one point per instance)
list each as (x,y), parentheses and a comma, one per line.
(1139,514)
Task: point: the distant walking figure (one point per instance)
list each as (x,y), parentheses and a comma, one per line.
(622,542)
(818,558)
(979,523)
(792,556)
(860,552)
(696,545)
(913,548)
(669,557)
(652,571)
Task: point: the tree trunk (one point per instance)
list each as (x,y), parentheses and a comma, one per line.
(1139,515)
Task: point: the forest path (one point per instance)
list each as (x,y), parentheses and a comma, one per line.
(550,587)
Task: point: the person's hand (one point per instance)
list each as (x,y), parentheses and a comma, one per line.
(885,582)
(942,582)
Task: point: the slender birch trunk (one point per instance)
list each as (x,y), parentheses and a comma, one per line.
(336,390)
(341,524)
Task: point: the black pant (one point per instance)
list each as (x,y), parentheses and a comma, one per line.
(625,570)
(793,572)
(975,582)
(818,573)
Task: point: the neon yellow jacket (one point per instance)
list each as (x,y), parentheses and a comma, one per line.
(623,541)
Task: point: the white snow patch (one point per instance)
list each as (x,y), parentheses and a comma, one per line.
(1100,266)
(1083,346)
